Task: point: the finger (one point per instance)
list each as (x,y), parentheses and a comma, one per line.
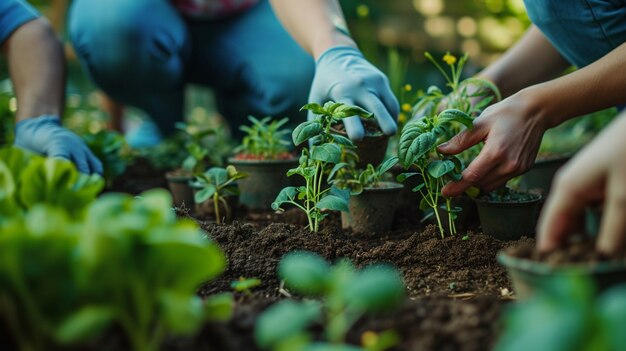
(613,225)
(81,163)
(354,127)
(95,165)
(477,170)
(464,140)
(391,103)
(385,120)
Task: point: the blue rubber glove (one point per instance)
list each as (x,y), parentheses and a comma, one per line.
(342,74)
(45,135)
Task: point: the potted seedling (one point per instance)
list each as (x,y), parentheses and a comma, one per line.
(216,191)
(372,202)
(263,155)
(508,214)
(346,295)
(198,159)
(324,158)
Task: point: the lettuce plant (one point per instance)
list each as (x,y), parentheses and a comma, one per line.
(110,148)
(327,150)
(346,295)
(130,262)
(217,183)
(264,140)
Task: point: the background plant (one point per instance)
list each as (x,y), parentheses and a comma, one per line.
(318,165)
(217,183)
(111,149)
(265,138)
(346,294)
(205,146)
(356,180)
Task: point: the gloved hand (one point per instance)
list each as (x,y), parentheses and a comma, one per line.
(45,135)
(342,74)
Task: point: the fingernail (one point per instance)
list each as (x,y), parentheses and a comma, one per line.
(444,145)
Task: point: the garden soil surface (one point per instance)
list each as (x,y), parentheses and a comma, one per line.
(456,290)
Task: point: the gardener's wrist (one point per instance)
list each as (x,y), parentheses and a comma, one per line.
(331,39)
(540,106)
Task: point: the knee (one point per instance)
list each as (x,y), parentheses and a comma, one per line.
(124,43)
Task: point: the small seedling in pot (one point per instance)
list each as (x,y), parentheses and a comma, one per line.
(217,183)
(346,295)
(356,180)
(245,285)
(324,158)
(264,140)
(200,154)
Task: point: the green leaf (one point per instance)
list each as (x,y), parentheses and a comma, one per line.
(313,107)
(286,195)
(245,284)
(376,288)
(305,272)
(181,313)
(205,194)
(344,111)
(86,324)
(322,346)
(439,168)
(333,203)
(453,115)
(329,153)
(306,131)
(387,165)
(404,176)
(335,169)
(284,320)
(418,188)
(219,308)
(342,140)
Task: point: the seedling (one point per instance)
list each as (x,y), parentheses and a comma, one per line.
(346,295)
(441,117)
(217,183)
(264,140)
(245,286)
(357,180)
(324,159)
(205,146)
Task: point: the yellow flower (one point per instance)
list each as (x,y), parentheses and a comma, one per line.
(369,338)
(408,87)
(402,117)
(406,107)
(449,59)
(363,11)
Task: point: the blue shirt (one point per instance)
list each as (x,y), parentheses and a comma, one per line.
(14,13)
(581,30)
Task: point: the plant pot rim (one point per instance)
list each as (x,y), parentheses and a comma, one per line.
(541,268)
(553,160)
(194,184)
(377,135)
(504,204)
(386,187)
(178,178)
(233,160)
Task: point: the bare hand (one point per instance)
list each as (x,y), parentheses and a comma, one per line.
(596,173)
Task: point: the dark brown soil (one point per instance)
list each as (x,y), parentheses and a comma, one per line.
(370,125)
(139,177)
(578,251)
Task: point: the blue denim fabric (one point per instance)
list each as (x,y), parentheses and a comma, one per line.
(582,30)
(14,13)
(143,53)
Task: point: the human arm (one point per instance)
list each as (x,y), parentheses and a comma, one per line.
(342,73)
(512,129)
(597,173)
(37,69)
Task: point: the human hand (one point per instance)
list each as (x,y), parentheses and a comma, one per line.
(597,173)
(343,75)
(512,134)
(45,135)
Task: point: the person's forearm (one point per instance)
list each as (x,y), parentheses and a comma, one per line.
(595,87)
(531,61)
(313,23)
(37,69)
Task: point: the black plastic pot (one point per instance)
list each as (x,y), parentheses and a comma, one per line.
(266,178)
(508,220)
(531,276)
(372,148)
(541,174)
(178,184)
(465,218)
(372,211)
(207,208)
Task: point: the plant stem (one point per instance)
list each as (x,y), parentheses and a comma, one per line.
(216,208)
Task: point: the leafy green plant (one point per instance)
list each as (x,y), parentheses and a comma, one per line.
(7,120)
(322,162)
(440,117)
(27,180)
(568,315)
(130,262)
(245,285)
(217,183)
(356,180)
(264,140)
(346,295)
(205,146)
(111,149)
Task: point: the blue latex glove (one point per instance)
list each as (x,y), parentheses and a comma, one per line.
(342,74)
(45,135)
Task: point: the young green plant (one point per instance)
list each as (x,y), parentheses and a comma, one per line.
(346,294)
(356,180)
(217,183)
(265,139)
(320,163)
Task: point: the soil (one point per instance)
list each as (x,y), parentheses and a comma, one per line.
(139,177)
(456,289)
(371,128)
(579,251)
